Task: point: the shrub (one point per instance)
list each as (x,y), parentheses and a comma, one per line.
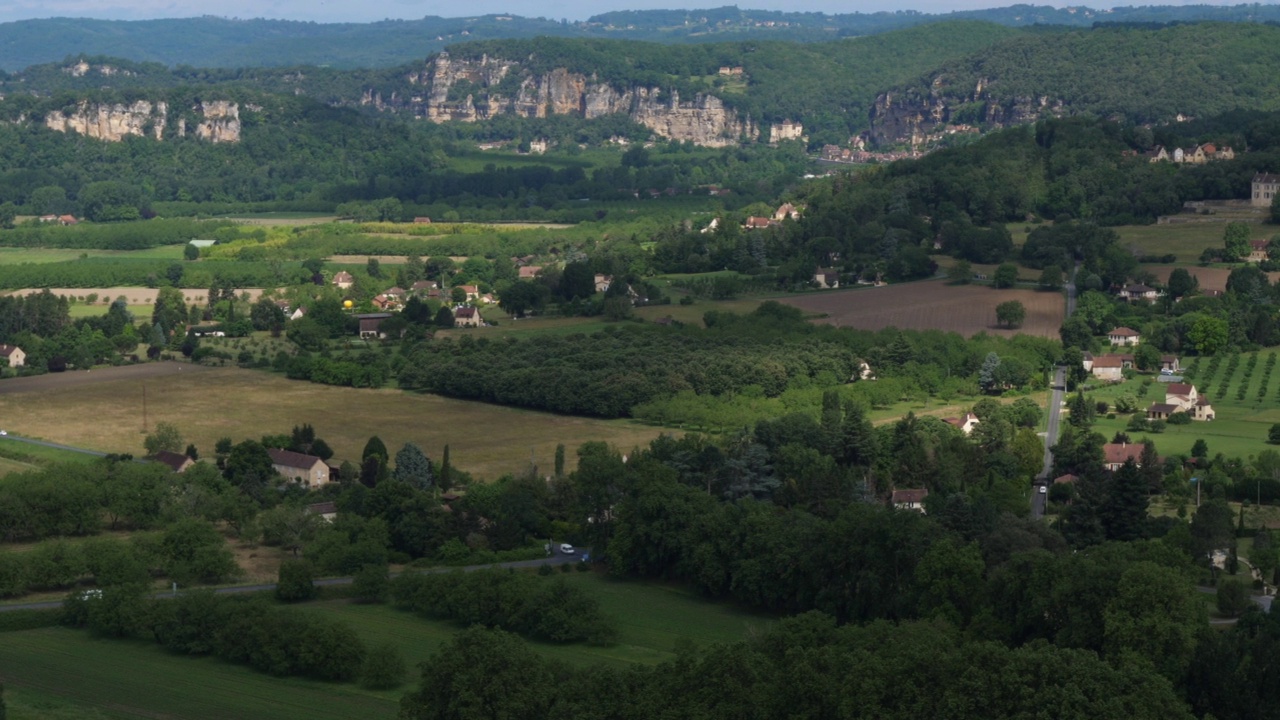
(383,668)
(296,581)
(371,584)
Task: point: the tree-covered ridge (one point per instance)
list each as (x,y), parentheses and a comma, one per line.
(1142,74)
(211,41)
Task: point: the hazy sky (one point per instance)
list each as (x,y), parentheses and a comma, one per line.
(368,10)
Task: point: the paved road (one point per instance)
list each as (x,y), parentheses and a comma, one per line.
(557,559)
(1040,500)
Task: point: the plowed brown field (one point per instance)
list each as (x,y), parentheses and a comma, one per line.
(934,305)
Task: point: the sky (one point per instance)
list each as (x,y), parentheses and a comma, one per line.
(371,10)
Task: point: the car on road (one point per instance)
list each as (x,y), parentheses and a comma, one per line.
(1044,489)
(566,549)
(4,432)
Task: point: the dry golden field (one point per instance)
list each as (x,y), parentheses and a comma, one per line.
(102,410)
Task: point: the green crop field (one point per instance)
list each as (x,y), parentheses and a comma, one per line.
(62,673)
(17,256)
(1241,425)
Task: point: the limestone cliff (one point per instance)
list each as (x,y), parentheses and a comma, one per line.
(216,121)
(913,114)
(472,90)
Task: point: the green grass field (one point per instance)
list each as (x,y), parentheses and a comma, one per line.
(30,455)
(1241,427)
(1184,240)
(59,673)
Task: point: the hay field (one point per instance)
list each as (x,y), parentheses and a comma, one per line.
(102,410)
(934,305)
(134,295)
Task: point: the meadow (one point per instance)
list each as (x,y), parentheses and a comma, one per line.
(1186,240)
(103,411)
(17,256)
(133,679)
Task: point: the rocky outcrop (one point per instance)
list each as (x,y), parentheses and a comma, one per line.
(913,115)
(475,90)
(112,122)
(217,121)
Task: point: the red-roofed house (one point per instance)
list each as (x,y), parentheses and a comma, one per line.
(424,285)
(755,223)
(1107,367)
(328,511)
(67,220)
(308,470)
(1115,454)
(529,272)
(1123,336)
(343,280)
(472,291)
(1067,479)
(910,499)
(13,355)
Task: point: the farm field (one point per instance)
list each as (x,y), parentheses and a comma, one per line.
(102,410)
(15,256)
(1184,240)
(1241,425)
(934,305)
(1210,278)
(134,295)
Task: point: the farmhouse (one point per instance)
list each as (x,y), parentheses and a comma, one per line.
(910,499)
(371,325)
(343,280)
(1265,187)
(467,316)
(1108,367)
(177,462)
(755,223)
(786,211)
(307,470)
(1123,336)
(1181,397)
(529,272)
(472,291)
(603,282)
(422,220)
(422,286)
(827,278)
(13,355)
(67,220)
(965,424)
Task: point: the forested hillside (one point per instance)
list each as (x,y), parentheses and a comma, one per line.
(1141,74)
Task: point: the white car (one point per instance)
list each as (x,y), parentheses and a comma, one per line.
(1044,489)
(4,432)
(567,549)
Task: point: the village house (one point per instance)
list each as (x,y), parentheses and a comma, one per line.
(467,316)
(603,282)
(1265,187)
(298,314)
(965,424)
(1138,293)
(711,226)
(472,291)
(177,462)
(13,356)
(67,220)
(827,278)
(306,470)
(422,220)
(394,292)
(1169,363)
(756,223)
(529,272)
(538,147)
(371,325)
(1116,454)
(48,218)
(1258,251)
(343,280)
(422,286)
(1067,479)
(910,499)
(1108,367)
(1123,336)
(1181,397)
(734,71)
(384,302)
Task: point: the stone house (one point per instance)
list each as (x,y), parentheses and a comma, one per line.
(910,499)
(1138,293)
(1123,336)
(1258,251)
(177,462)
(1265,187)
(306,470)
(603,282)
(827,278)
(529,272)
(343,280)
(13,355)
(786,211)
(756,223)
(1108,367)
(467,316)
